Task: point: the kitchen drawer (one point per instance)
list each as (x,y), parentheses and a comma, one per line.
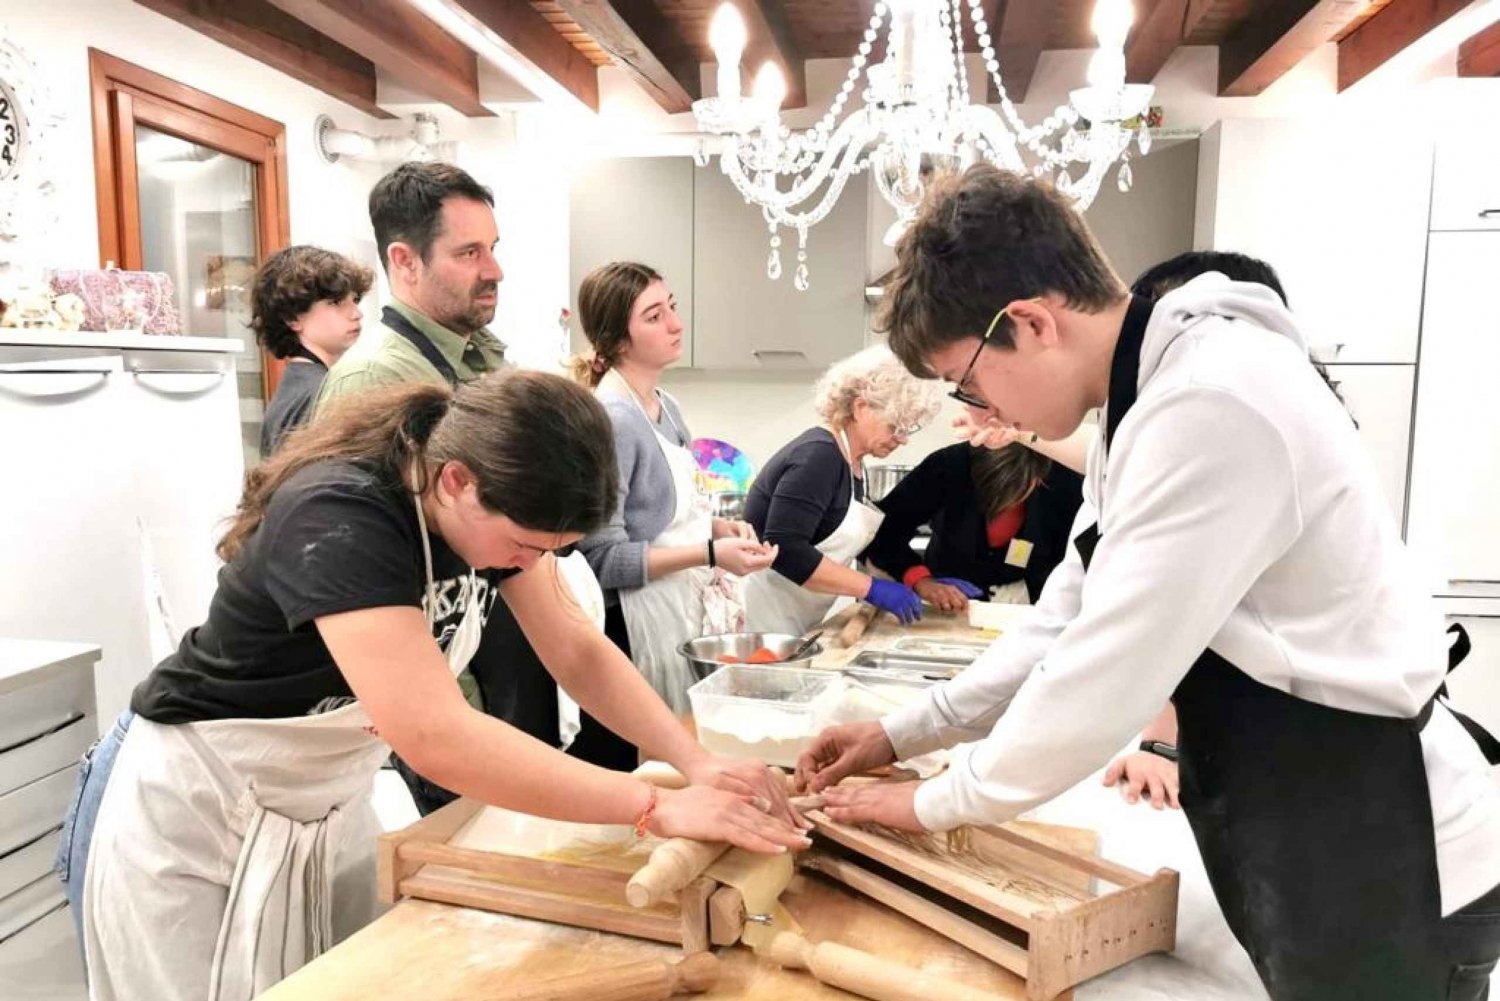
(28,863)
(30,904)
(30,710)
(33,810)
(42,962)
(46,752)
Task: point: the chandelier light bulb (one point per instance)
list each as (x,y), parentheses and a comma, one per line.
(1111,22)
(726,35)
(769,89)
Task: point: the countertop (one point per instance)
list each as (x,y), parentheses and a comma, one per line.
(33,338)
(21,657)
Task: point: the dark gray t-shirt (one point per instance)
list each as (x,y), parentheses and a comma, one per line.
(292,405)
(337,537)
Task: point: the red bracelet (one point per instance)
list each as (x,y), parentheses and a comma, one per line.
(917,573)
(646,814)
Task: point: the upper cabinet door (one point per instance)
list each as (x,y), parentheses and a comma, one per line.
(1347,238)
(742,319)
(634,209)
(1455,474)
(1466,180)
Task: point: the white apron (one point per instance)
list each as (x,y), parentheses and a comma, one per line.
(664,613)
(229,853)
(774,604)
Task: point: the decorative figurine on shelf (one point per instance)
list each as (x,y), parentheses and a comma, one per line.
(69,310)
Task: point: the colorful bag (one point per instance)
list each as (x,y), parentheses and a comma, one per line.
(122,300)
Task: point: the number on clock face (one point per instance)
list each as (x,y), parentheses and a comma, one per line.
(10,132)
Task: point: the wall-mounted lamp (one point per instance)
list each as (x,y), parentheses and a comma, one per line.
(423,142)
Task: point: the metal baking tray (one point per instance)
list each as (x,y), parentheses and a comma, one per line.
(907,663)
(959,651)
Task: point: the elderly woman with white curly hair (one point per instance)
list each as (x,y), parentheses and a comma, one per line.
(809,498)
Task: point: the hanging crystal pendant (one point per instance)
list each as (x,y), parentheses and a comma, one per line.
(1124,179)
(1143,138)
(773,264)
(800,279)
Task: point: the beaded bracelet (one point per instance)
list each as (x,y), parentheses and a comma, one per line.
(646,814)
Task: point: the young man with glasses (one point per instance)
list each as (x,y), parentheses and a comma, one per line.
(1241,561)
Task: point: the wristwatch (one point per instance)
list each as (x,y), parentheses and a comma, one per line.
(1167,751)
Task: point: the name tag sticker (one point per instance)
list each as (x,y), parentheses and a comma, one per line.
(1018,553)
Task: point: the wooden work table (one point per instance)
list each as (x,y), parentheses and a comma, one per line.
(439,952)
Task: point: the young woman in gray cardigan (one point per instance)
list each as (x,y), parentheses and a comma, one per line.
(669,570)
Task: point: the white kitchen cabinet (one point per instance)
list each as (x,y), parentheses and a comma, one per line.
(66,528)
(1379,398)
(634,209)
(1466,178)
(124,458)
(1347,239)
(742,319)
(187,481)
(1456,441)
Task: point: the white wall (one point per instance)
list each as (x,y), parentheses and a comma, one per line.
(326,200)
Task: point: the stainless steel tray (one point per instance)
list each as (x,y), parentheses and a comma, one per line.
(907,663)
(958,651)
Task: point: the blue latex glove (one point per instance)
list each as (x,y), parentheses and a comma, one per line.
(970,591)
(898,599)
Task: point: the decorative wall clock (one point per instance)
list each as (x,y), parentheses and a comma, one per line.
(28,115)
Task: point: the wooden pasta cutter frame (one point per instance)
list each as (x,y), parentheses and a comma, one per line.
(418,861)
(1080,933)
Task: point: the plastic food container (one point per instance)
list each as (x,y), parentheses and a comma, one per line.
(763,712)
(998,616)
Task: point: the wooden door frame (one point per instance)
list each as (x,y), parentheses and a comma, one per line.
(124,94)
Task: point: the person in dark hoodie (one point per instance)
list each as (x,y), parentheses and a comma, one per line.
(1234,554)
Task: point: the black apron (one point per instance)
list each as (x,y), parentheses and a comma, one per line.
(392,318)
(1314,823)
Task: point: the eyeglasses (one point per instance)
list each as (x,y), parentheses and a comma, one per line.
(905,430)
(959,393)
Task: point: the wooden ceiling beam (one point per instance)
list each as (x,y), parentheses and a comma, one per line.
(1480,55)
(771,40)
(1393,28)
(264,33)
(644,44)
(532,38)
(1277,37)
(1019,36)
(403,42)
(1156,36)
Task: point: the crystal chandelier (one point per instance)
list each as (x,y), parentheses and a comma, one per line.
(916,119)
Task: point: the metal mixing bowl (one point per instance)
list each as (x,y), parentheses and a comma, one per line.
(704,652)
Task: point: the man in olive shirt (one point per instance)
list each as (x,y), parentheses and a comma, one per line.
(435,230)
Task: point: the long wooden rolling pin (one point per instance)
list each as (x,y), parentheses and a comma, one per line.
(650,980)
(865,973)
(855,628)
(673,865)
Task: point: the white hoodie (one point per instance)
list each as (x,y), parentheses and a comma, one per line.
(1238,510)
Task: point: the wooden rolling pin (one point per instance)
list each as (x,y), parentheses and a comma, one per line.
(865,973)
(673,865)
(650,980)
(857,624)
